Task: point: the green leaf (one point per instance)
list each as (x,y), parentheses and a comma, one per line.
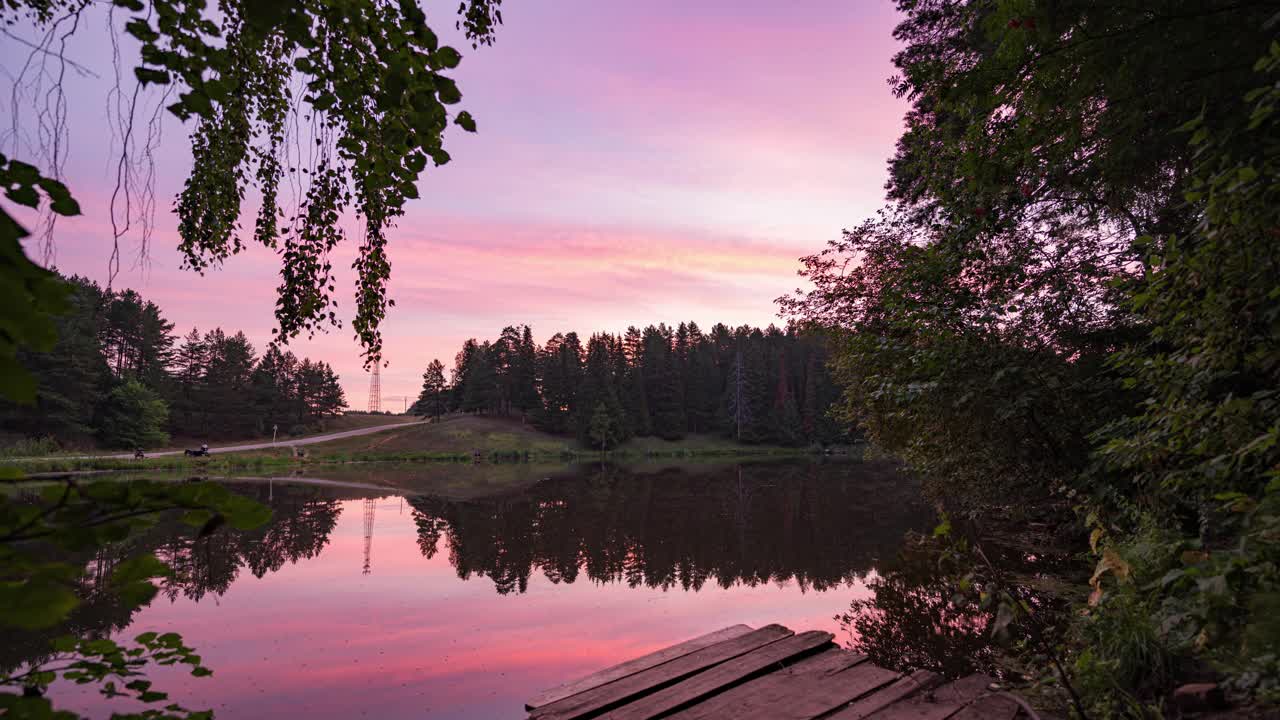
(151,76)
(142,30)
(446,57)
(36,603)
(465,121)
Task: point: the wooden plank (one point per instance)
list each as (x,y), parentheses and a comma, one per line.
(990,707)
(937,704)
(632,667)
(726,675)
(609,695)
(863,707)
(805,690)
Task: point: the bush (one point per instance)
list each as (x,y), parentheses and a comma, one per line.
(134,416)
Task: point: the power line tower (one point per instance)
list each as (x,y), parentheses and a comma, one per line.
(375,391)
(370,506)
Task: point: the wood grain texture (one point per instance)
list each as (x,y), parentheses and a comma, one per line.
(625,689)
(918,681)
(939,703)
(720,677)
(632,667)
(991,707)
(805,690)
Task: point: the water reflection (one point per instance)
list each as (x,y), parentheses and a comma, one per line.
(818,525)
(925,610)
(302,518)
(479,594)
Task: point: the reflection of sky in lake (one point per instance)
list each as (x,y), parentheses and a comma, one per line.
(318,638)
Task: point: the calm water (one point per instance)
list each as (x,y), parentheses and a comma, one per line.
(464,591)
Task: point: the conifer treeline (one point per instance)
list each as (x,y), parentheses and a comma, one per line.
(758,386)
(118,373)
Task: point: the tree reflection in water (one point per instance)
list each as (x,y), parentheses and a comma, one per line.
(302,518)
(934,607)
(820,525)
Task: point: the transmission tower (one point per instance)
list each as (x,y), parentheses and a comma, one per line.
(370,506)
(375,391)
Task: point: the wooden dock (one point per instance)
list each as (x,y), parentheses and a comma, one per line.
(743,673)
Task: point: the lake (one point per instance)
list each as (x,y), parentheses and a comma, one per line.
(459,591)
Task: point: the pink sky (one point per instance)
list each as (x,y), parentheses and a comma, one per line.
(636,163)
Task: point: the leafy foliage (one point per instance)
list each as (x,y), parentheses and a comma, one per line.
(38,586)
(30,296)
(377,93)
(1073,303)
(134,417)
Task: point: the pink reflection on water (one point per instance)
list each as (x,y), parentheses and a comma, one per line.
(411,640)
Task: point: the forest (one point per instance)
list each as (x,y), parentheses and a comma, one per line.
(1068,315)
(752,385)
(118,376)
(1065,320)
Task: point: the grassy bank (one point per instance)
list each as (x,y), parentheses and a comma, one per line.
(460,439)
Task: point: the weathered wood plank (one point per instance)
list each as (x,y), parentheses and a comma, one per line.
(939,703)
(884,697)
(991,707)
(804,690)
(759,691)
(632,667)
(725,675)
(655,678)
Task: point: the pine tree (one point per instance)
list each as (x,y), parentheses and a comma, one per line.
(603,428)
(561,376)
(598,394)
(226,393)
(662,383)
(433,400)
(746,401)
(330,400)
(273,384)
(784,416)
(190,364)
(483,391)
(524,375)
(462,365)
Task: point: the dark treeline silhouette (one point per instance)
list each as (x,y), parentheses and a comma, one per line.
(819,525)
(118,374)
(757,386)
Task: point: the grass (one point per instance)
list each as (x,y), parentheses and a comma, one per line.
(500,437)
(456,439)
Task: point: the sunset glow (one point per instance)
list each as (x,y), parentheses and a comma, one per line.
(634,164)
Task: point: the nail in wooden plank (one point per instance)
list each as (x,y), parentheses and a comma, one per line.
(939,703)
(632,667)
(619,691)
(884,697)
(720,677)
(804,690)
